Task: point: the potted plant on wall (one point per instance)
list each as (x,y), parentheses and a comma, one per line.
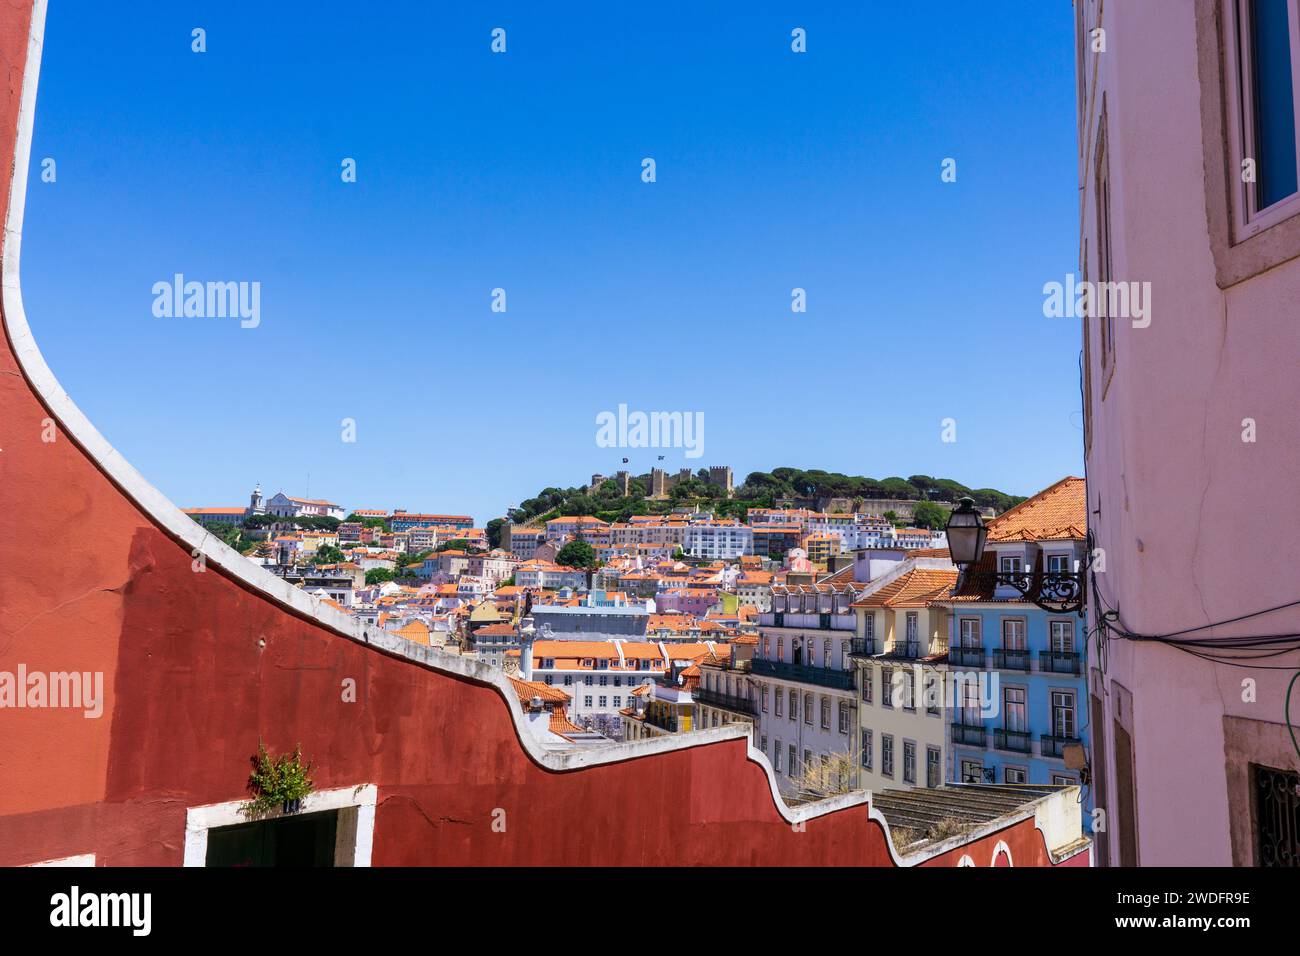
(277,782)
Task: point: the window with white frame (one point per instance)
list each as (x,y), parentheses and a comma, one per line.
(826,713)
(972,771)
(933,767)
(777,699)
(1063,714)
(808,709)
(971,707)
(909,761)
(776,756)
(866,749)
(844,716)
(1062,637)
(887,754)
(1263,57)
(1014,775)
(794,705)
(1014,709)
(970,635)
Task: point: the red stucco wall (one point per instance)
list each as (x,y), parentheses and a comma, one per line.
(88,582)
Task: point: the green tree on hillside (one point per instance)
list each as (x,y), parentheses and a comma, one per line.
(577,554)
(926,514)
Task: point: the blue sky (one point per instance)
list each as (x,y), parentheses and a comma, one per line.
(522,171)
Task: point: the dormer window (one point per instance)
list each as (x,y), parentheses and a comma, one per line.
(1009,563)
(1058,563)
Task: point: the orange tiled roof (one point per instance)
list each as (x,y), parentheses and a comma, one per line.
(528,689)
(1057,513)
(913,588)
(561,724)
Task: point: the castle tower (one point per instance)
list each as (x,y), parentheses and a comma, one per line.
(720,476)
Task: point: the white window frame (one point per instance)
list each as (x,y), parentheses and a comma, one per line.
(355,833)
(1247,219)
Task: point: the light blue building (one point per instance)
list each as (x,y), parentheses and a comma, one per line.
(1019,671)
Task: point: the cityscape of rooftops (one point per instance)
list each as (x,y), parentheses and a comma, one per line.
(658,437)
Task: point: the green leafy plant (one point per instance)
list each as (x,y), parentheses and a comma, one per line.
(277,781)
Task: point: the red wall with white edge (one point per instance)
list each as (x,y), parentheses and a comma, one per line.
(199,666)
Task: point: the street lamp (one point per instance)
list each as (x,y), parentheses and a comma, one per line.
(1058,591)
(966,534)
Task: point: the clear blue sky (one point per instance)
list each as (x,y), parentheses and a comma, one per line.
(523,171)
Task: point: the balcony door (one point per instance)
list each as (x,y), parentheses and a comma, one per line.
(1062,637)
(1063,717)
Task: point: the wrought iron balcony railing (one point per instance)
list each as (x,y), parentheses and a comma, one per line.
(1054,746)
(1017,741)
(864,647)
(971,735)
(968,656)
(715,698)
(1060,662)
(804,674)
(1012,659)
(663,723)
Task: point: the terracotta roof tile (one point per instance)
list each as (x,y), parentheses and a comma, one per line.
(1057,513)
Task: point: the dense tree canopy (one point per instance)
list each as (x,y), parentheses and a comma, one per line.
(577,554)
(760,489)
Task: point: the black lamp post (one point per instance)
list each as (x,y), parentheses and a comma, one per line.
(1057,591)
(966,534)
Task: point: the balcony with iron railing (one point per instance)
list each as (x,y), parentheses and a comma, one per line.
(969,735)
(864,647)
(808,621)
(1054,745)
(803,673)
(968,657)
(904,648)
(717,698)
(668,722)
(1016,741)
(1060,662)
(1012,658)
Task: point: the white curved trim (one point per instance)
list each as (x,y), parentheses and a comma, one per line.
(178,525)
(965,860)
(1001,847)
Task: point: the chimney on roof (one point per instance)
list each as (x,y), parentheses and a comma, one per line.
(536,703)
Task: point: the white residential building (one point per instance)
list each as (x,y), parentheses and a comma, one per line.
(718,540)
